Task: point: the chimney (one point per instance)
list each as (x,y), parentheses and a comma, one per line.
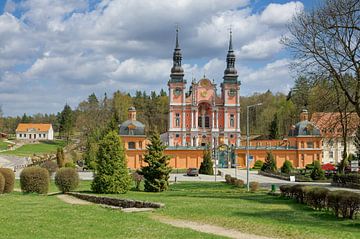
(132,113)
(304,115)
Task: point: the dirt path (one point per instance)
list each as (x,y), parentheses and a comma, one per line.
(200,227)
(72,200)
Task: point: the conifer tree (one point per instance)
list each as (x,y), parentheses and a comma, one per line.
(66,122)
(274,128)
(206,166)
(60,157)
(269,164)
(156,173)
(317,172)
(111,173)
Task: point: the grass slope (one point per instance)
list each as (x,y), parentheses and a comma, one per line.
(255,213)
(3,145)
(43,147)
(33,216)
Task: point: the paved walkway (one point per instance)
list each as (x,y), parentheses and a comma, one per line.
(72,200)
(207,228)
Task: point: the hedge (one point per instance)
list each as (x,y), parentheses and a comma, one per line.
(351,180)
(34,179)
(342,203)
(67,179)
(254,186)
(9,179)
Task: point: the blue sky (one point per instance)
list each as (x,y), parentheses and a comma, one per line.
(57,52)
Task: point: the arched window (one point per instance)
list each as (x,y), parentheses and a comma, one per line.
(177,120)
(232,121)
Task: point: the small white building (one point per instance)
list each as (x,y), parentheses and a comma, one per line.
(331,131)
(30,131)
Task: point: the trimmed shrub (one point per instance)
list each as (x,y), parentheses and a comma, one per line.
(239,183)
(254,186)
(2,183)
(316,197)
(67,179)
(9,179)
(317,173)
(258,164)
(232,180)
(50,166)
(270,163)
(228,178)
(285,190)
(351,180)
(34,179)
(334,201)
(287,167)
(298,192)
(352,200)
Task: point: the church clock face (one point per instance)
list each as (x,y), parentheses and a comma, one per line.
(177,91)
(232,92)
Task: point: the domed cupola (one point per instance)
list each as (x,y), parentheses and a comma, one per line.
(132,126)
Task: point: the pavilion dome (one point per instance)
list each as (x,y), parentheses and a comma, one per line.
(132,127)
(304,128)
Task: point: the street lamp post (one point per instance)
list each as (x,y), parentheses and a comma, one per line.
(247,143)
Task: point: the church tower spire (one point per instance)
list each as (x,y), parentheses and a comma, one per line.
(177,72)
(230,73)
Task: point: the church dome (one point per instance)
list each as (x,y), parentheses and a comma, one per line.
(305,128)
(132,127)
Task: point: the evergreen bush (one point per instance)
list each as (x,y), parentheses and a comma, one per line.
(2,183)
(287,167)
(70,164)
(111,173)
(60,157)
(317,172)
(156,173)
(206,166)
(269,164)
(258,164)
(298,192)
(34,179)
(9,179)
(67,179)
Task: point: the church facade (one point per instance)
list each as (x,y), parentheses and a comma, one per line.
(204,115)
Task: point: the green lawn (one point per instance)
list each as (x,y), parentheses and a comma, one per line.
(43,147)
(3,145)
(212,203)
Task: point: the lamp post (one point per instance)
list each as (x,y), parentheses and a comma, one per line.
(247,143)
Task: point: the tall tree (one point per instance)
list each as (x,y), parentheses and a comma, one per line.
(326,43)
(357,142)
(111,173)
(206,166)
(66,123)
(274,129)
(156,172)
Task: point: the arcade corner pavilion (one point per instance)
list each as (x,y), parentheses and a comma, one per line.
(206,114)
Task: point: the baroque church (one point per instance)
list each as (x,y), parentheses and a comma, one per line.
(202,116)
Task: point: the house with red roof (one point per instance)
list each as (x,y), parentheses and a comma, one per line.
(30,131)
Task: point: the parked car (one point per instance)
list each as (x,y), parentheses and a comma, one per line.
(192,172)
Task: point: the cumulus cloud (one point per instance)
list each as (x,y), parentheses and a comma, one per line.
(53,52)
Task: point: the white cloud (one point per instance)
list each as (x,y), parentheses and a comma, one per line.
(71,47)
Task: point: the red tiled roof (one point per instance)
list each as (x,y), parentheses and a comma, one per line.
(24,127)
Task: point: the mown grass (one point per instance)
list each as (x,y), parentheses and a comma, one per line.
(43,147)
(255,213)
(34,216)
(3,145)
(213,203)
